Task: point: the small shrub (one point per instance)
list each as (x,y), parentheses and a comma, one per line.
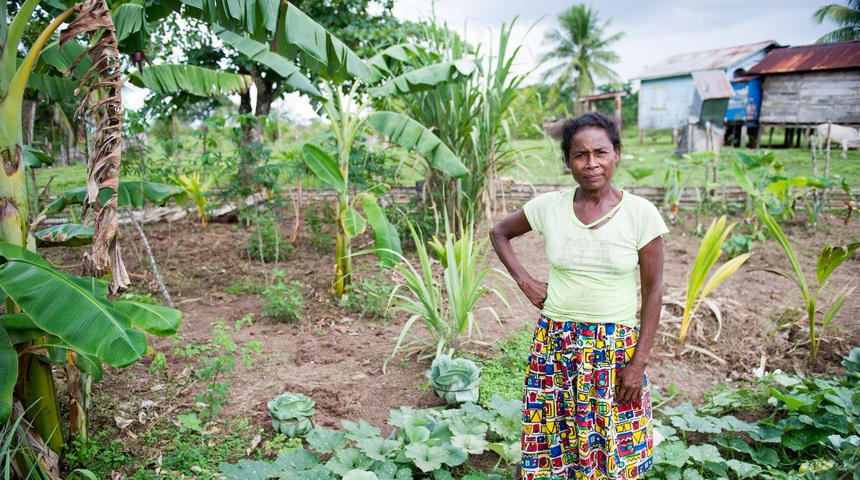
(283,302)
(265,241)
(320,224)
(369,296)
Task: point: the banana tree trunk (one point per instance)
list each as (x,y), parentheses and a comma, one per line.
(343,250)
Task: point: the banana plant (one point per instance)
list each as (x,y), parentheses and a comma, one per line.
(196,187)
(697,287)
(84,324)
(260,28)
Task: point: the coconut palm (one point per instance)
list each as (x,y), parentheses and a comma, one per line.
(846,16)
(582,48)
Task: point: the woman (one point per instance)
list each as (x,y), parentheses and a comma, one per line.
(587,405)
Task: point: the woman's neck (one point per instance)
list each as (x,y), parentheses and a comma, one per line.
(595,197)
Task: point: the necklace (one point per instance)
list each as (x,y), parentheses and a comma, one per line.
(602,219)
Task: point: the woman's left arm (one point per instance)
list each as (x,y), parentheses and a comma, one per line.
(631,377)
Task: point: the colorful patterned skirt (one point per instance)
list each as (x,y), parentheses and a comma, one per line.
(572,428)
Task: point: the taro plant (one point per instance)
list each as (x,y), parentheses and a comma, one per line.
(829,260)
(292,414)
(445,307)
(455,380)
(697,286)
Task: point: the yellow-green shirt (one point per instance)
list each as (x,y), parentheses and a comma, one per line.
(592,275)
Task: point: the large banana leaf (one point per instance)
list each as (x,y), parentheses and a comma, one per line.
(128,19)
(54,87)
(35,158)
(385,237)
(298,36)
(8,374)
(154,319)
(411,135)
(65,235)
(293,34)
(261,54)
(65,306)
(173,78)
(62,59)
(129,194)
(60,352)
(20,327)
(325,167)
(426,78)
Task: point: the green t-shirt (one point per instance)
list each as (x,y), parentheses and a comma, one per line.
(592,275)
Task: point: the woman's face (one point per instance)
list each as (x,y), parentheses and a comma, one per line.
(592,158)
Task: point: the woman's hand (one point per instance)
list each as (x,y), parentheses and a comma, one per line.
(535,290)
(628,383)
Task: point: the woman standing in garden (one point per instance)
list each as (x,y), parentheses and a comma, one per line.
(587,404)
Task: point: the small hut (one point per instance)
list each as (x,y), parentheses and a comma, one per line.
(808,85)
(683,90)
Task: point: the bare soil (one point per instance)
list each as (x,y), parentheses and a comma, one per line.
(336,358)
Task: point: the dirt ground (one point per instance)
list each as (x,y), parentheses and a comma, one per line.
(336,358)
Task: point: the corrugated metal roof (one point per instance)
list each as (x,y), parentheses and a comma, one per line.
(805,58)
(713,84)
(720,58)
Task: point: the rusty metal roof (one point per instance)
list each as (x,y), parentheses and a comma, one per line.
(687,63)
(713,84)
(805,58)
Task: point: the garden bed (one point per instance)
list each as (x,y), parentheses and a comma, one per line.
(334,353)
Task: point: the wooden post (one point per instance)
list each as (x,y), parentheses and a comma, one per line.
(770,138)
(618,110)
(675,136)
(641,136)
(744,134)
(827,158)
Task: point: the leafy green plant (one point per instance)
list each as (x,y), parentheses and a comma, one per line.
(445,307)
(369,296)
(738,244)
(455,380)
(697,288)
(321,239)
(265,241)
(808,428)
(829,260)
(292,414)
(281,301)
(215,360)
(674,182)
(423,442)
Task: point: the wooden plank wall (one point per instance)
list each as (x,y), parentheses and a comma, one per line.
(811,98)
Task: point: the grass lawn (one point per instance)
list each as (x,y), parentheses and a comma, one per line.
(541,163)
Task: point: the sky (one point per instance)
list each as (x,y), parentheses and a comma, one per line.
(653,29)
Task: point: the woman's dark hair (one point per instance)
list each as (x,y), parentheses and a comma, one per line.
(572,126)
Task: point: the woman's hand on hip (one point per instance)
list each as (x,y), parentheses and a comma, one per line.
(535,290)
(628,383)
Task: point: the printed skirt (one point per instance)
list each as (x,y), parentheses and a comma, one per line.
(572,428)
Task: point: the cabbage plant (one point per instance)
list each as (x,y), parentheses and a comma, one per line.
(291,414)
(455,380)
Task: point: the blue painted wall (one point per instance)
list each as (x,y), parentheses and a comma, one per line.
(745,105)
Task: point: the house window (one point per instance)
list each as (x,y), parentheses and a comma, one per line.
(658,97)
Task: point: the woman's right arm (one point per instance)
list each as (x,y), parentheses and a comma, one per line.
(514,225)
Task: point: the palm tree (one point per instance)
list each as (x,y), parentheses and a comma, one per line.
(583,49)
(846,16)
